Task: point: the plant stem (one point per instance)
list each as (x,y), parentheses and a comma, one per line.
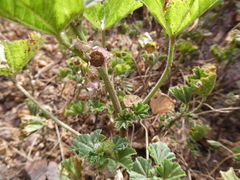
(70,47)
(103,38)
(199,106)
(166,71)
(179,116)
(78,30)
(45,111)
(113,95)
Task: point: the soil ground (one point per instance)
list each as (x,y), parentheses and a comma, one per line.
(38,156)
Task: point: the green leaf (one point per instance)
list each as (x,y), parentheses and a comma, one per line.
(124,118)
(236,150)
(49,16)
(198,130)
(18,53)
(170,170)
(87,143)
(75,107)
(140,110)
(203,79)
(71,167)
(30,124)
(229,175)
(214,145)
(185,47)
(64,72)
(141,168)
(4,67)
(160,151)
(105,14)
(120,143)
(176,15)
(96,106)
(183,93)
(123,159)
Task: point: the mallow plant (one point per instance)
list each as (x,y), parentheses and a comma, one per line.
(55,18)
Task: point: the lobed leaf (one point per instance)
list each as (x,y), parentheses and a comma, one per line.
(30,124)
(48,16)
(229,175)
(183,93)
(170,170)
(141,168)
(140,109)
(120,143)
(73,166)
(160,151)
(75,107)
(176,15)
(103,15)
(18,53)
(87,143)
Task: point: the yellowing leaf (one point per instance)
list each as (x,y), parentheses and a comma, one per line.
(131,99)
(161,103)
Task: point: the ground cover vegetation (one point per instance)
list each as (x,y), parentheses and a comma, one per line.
(125,89)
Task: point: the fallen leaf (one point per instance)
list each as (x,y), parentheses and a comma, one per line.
(131,99)
(161,103)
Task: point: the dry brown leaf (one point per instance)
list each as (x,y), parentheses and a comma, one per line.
(161,103)
(131,99)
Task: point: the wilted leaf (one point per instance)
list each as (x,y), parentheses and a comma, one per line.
(18,53)
(4,67)
(203,79)
(73,166)
(30,124)
(229,175)
(161,103)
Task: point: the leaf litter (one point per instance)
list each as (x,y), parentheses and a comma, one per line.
(19,157)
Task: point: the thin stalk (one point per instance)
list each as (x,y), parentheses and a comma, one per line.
(146,138)
(78,31)
(70,47)
(166,71)
(113,95)
(199,106)
(179,116)
(103,38)
(45,111)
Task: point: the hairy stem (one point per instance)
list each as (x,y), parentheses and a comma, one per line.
(44,110)
(78,30)
(103,38)
(166,71)
(70,47)
(113,95)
